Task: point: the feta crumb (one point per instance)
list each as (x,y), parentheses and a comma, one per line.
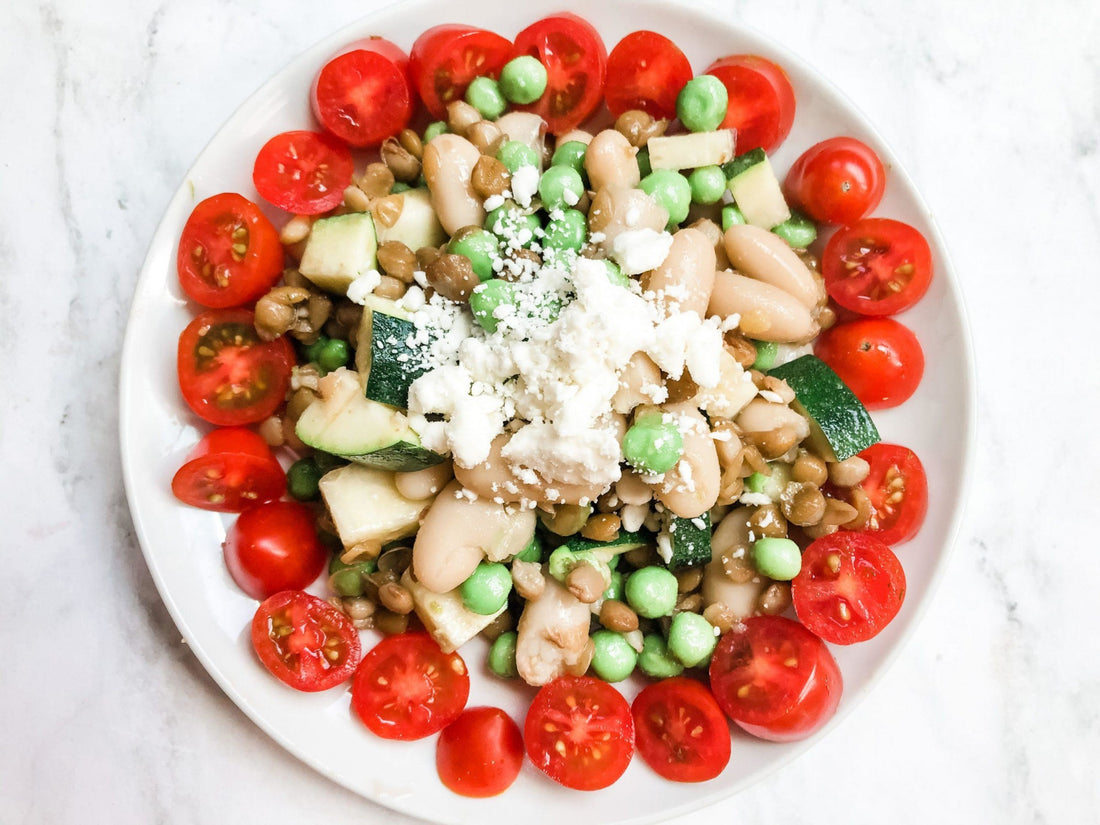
(664,547)
(363,285)
(640,250)
(494,202)
(525,183)
(758,499)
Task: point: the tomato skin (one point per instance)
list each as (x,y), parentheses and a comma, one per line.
(838,180)
(781,702)
(480,753)
(303,172)
(878,358)
(877,266)
(579,712)
(680,731)
(762,101)
(230,469)
(298,657)
(576,61)
(850,587)
(407,688)
(445,58)
(241,383)
(645,71)
(210,272)
(895,469)
(362,95)
(273,547)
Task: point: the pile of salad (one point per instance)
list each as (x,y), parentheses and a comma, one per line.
(555,357)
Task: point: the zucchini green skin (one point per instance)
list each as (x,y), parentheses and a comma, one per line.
(743,163)
(400,457)
(840,424)
(690,542)
(391,375)
(620,544)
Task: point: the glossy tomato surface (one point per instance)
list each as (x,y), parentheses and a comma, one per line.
(877,266)
(680,731)
(880,359)
(273,547)
(305,641)
(407,688)
(227,375)
(645,71)
(303,172)
(761,101)
(445,58)
(850,587)
(229,253)
(480,753)
(898,489)
(838,180)
(363,94)
(580,732)
(230,469)
(775,679)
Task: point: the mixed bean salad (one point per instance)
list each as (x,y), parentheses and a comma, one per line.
(559,360)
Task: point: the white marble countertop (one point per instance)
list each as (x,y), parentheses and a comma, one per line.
(992,711)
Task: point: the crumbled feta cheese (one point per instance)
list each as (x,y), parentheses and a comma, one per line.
(363,285)
(758,499)
(494,202)
(664,547)
(525,183)
(640,250)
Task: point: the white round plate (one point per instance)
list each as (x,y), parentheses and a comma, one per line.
(182,545)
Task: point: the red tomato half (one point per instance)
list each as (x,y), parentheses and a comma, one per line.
(303,172)
(407,688)
(227,375)
(775,678)
(273,547)
(579,732)
(305,641)
(362,95)
(576,61)
(839,180)
(877,266)
(850,587)
(480,753)
(898,489)
(645,71)
(762,102)
(680,730)
(230,468)
(445,58)
(229,252)
(880,359)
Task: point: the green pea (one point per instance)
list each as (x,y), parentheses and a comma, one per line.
(481,247)
(671,190)
(502,655)
(532,552)
(651,591)
(560,187)
(508,221)
(484,94)
(571,153)
(644,166)
(778,559)
(615,589)
(348,580)
(691,639)
(434,130)
(334,354)
(313,351)
(708,184)
(515,154)
(798,230)
(523,79)
(567,231)
(756,482)
(655,661)
(486,590)
(613,659)
(615,274)
(328,461)
(766,353)
(653,445)
(732,216)
(487,298)
(702,103)
(561,561)
(302,480)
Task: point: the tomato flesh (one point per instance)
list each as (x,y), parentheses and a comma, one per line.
(305,641)
(303,172)
(838,180)
(879,359)
(680,730)
(877,266)
(407,688)
(230,469)
(898,489)
(761,101)
(645,71)
(273,547)
(445,58)
(480,753)
(362,95)
(850,587)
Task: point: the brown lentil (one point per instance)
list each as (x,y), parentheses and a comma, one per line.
(803,504)
(774,443)
(277,311)
(410,141)
(720,616)
(527,579)
(838,512)
(816,531)
(390,287)
(397,260)
(452,276)
(753,462)
(271,431)
(363,550)
(618,616)
(809,468)
(395,597)
(768,522)
(741,348)
(688,579)
(849,472)
(638,127)
(641,557)
(690,603)
(389,623)
(358,608)
(484,135)
(404,165)
(500,624)
(602,527)
(680,389)
(562,519)
(586,583)
(859,499)
(355,199)
(426,256)
(736,565)
(489,177)
(583,661)
(775,599)
(826,318)
(461,116)
(376,181)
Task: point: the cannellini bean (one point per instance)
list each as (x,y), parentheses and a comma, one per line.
(691,487)
(526,127)
(457,533)
(714,234)
(448,165)
(552,634)
(424,483)
(632,490)
(686,278)
(765,256)
(579,135)
(761,416)
(767,312)
(731,534)
(636,382)
(616,209)
(494,479)
(610,161)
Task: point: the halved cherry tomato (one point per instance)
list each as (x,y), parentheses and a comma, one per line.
(227,375)
(645,71)
(445,58)
(303,172)
(898,489)
(230,469)
(576,61)
(880,359)
(480,753)
(407,688)
(305,641)
(775,679)
(229,252)
(838,180)
(877,266)
(680,730)
(762,101)
(363,95)
(579,732)
(273,547)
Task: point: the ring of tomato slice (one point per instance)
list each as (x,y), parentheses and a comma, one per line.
(877,266)
(645,71)
(303,172)
(273,547)
(680,731)
(480,753)
(445,58)
(761,101)
(898,489)
(230,469)
(879,359)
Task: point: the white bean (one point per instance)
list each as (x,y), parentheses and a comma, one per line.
(714,234)
(552,634)
(761,416)
(448,165)
(494,479)
(526,127)
(579,135)
(425,483)
(765,256)
(740,597)
(691,487)
(610,161)
(767,312)
(636,381)
(686,278)
(616,209)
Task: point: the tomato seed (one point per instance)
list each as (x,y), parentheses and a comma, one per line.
(833,563)
(843,613)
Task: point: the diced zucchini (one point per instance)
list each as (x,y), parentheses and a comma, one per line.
(691,151)
(384,357)
(339,250)
(366,506)
(445,616)
(690,540)
(840,425)
(756,189)
(606,550)
(408,217)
